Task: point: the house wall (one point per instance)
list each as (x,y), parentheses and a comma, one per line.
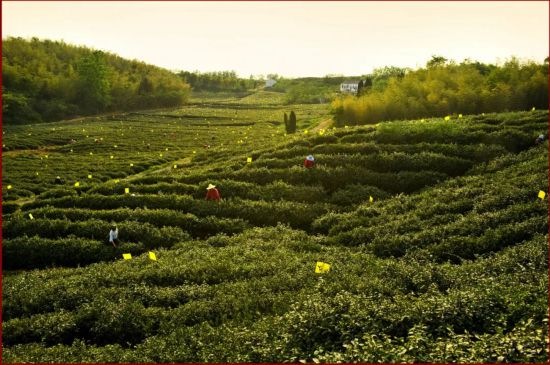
(349,87)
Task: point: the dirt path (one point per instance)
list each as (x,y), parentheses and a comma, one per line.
(22,201)
(323,125)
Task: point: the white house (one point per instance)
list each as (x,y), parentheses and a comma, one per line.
(350,86)
(270,83)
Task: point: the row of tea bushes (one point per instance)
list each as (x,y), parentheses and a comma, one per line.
(196,227)
(258,213)
(459,219)
(37,252)
(387,310)
(95,229)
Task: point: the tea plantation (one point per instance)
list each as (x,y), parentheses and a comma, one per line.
(436,238)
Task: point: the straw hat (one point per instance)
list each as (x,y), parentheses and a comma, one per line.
(210,186)
(310,158)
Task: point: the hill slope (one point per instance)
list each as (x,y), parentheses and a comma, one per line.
(447,264)
(45,80)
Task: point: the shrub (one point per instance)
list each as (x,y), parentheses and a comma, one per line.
(36,252)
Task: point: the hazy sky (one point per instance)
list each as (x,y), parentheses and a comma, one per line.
(289,38)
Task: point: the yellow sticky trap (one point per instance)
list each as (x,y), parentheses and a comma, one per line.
(542,194)
(116,181)
(166,149)
(175,166)
(112,157)
(30,216)
(9,187)
(305,132)
(152,256)
(76,184)
(89,176)
(91,153)
(194,151)
(460,115)
(249,159)
(131,165)
(160,154)
(422,120)
(115,146)
(371,199)
(46,156)
(447,118)
(37,173)
(533,109)
(127,256)
(126,190)
(321,267)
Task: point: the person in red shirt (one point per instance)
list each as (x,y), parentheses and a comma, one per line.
(309,162)
(212,193)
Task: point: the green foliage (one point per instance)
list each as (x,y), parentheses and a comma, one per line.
(35,252)
(45,80)
(130,231)
(443,89)
(308,90)
(217,81)
(94,86)
(290,124)
(448,263)
(16,109)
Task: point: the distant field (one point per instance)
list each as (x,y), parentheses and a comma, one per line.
(446,263)
(33,155)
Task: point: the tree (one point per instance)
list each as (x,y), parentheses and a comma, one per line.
(436,61)
(145,86)
(94,87)
(16,109)
(368,82)
(360,87)
(290,123)
(291,128)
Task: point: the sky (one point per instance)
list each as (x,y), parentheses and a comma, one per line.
(291,39)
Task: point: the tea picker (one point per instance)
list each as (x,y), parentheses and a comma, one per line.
(113,235)
(212,193)
(309,162)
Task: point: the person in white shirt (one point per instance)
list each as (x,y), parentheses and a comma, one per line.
(113,236)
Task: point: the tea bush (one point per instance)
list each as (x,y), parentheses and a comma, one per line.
(36,252)
(448,263)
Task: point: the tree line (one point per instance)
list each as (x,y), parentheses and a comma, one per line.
(217,81)
(445,87)
(47,80)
